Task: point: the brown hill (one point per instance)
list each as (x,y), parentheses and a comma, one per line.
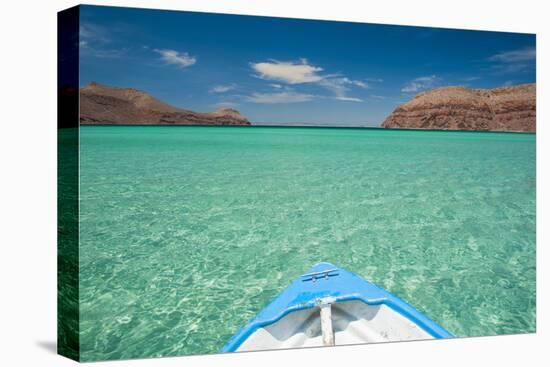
(101,104)
(458,108)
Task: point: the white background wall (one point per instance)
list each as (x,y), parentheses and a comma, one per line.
(28,180)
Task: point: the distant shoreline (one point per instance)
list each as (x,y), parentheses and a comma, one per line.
(320,127)
(506,109)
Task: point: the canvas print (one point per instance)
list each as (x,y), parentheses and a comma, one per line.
(235,183)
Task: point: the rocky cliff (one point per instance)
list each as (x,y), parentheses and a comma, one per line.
(101,104)
(458,108)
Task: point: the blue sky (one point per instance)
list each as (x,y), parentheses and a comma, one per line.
(285,71)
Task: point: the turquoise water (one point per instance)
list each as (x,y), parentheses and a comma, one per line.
(187,232)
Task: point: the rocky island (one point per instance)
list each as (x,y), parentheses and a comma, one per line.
(459,108)
(100,104)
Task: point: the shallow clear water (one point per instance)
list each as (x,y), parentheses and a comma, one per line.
(188,232)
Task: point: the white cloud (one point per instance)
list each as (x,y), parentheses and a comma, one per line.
(524,54)
(340,86)
(349,99)
(93,32)
(421,83)
(182,59)
(358,83)
(302,72)
(94,42)
(288,72)
(222,88)
(514,61)
(282,97)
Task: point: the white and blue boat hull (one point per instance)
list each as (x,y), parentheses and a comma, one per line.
(331,306)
